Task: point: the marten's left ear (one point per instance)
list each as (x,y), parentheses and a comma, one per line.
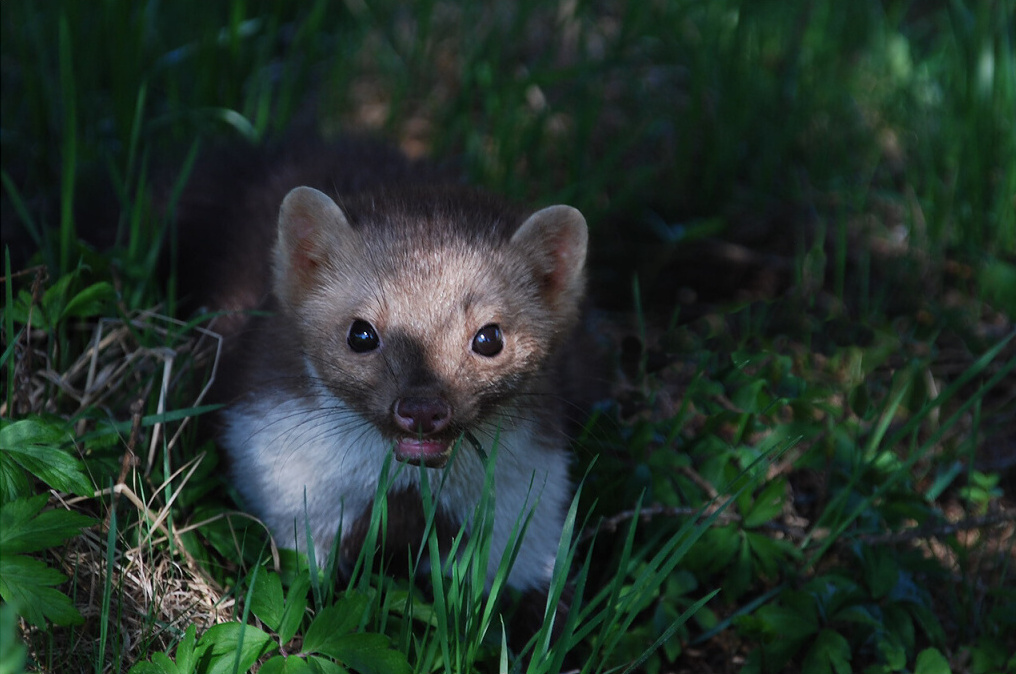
(555,239)
(313,231)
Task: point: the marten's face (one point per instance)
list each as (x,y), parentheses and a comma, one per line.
(426,335)
(429,343)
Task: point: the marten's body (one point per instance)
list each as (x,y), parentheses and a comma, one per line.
(395,315)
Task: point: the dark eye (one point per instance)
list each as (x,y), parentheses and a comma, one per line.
(488,341)
(362,337)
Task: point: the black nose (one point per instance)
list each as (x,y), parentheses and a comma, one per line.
(422,415)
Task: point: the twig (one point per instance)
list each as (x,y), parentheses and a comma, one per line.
(938,529)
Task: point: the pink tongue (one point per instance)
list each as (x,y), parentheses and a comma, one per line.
(433,453)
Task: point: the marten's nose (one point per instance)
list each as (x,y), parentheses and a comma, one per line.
(422,415)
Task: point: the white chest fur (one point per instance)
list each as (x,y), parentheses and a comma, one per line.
(313,461)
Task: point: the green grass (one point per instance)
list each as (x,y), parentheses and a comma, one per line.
(802,464)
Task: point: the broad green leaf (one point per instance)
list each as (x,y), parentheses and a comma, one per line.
(716,549)
(275,665)
(929,622)
(931,661)
(185,656)
(150,667)
(34,445)
(802,602)
(53,300)
(15,514)
(30,432)
(56,467)
(23,530)
(286,665)
(14,482)
(997,280)
(860,614)
(20,311)
(900,624)
(894,654)
(367,653)
(786,622)
(829,654)
(233,646)
(751,398)
(770,554)
(266,599)
(768,504)
(320,665)
(45,313)
(27,583)
(296,606)
(881,572)
(167,665)
(333,622)
(159,664)
(91,301)
(741,574)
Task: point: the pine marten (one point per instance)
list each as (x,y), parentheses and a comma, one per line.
(397,313)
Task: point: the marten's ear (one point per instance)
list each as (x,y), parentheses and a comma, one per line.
(312,231)
(555,240)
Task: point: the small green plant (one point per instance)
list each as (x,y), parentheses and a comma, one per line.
(332,639)
(39,449)
(982,490)
(27,583)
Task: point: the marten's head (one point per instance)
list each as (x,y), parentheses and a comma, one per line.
(427,312)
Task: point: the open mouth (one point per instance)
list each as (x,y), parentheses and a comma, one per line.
(423,451)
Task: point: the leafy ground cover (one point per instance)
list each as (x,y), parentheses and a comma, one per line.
(801,458)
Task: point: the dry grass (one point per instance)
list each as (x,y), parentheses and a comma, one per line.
(156,597)
(156,589)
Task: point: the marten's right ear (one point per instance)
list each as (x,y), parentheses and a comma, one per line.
(555,240)
(312,230)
